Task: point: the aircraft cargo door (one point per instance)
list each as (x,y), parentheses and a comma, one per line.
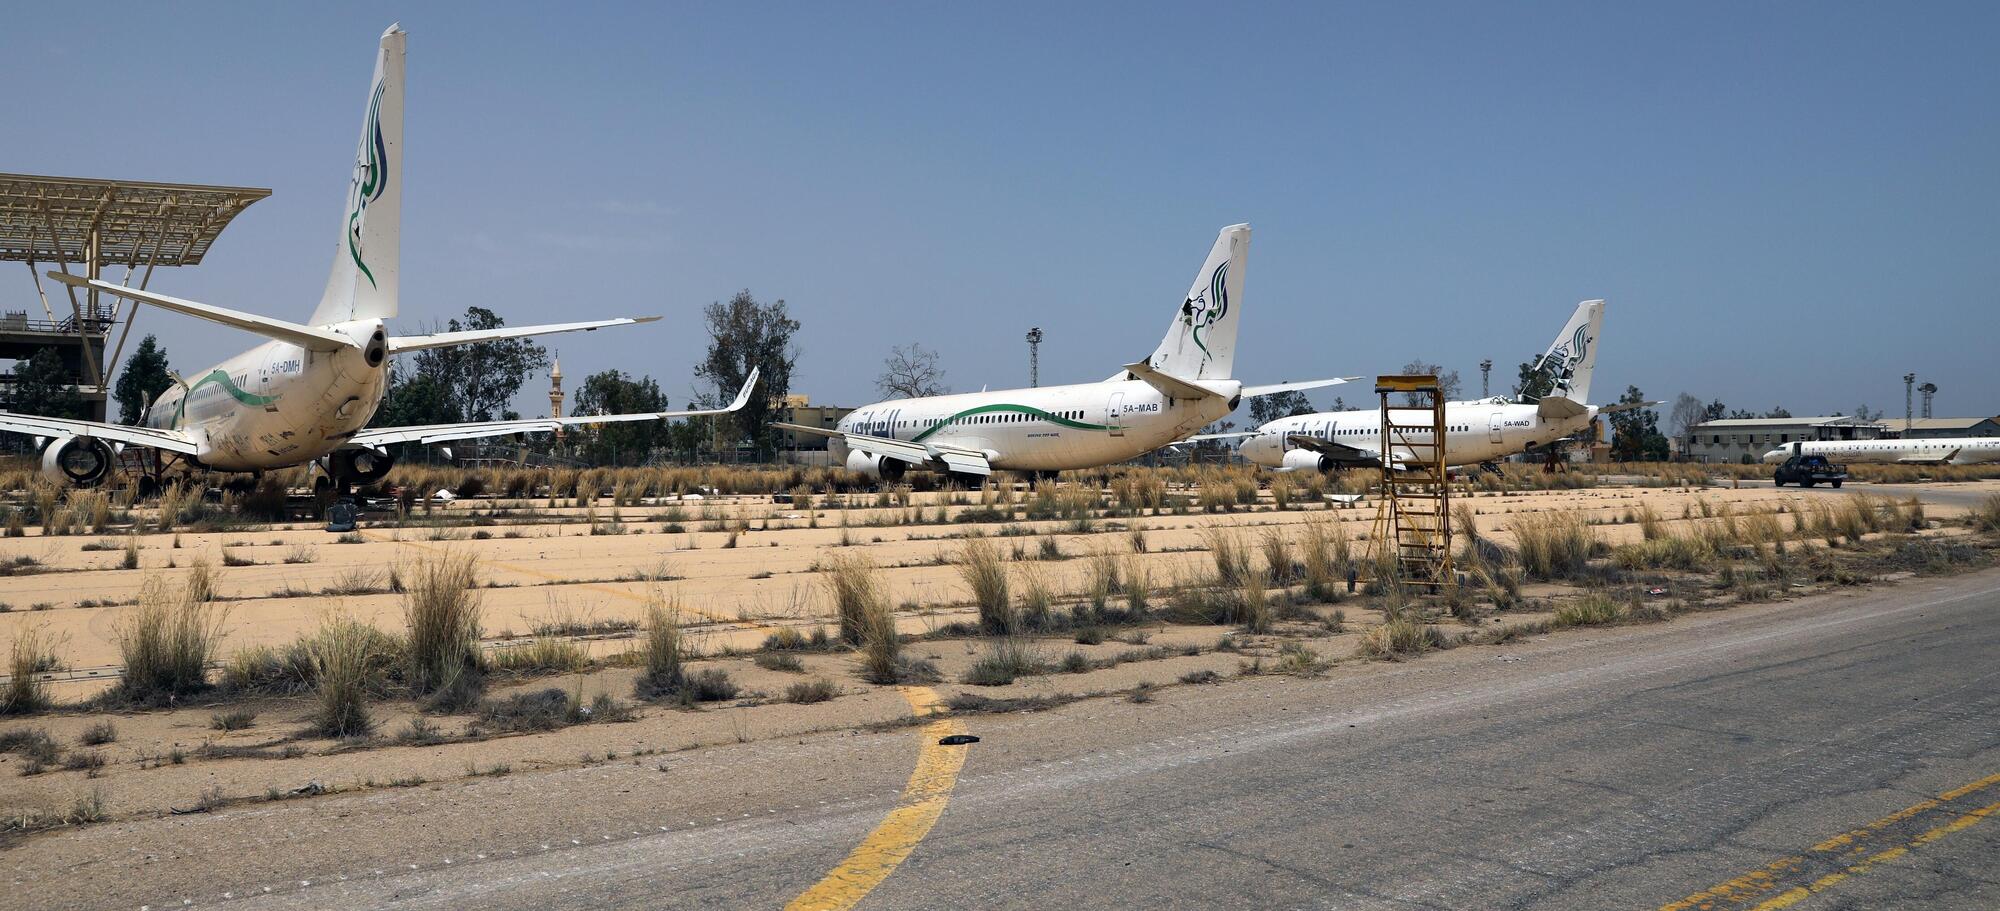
(1111,415)
(1493,428)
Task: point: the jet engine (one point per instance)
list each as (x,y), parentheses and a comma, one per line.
(878,468)
(361,466)
(1306,460)
(79,461)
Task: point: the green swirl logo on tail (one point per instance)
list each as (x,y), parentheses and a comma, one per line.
(1208,308)
(371,177)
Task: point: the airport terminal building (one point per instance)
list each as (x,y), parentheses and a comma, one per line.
(1946,428)
(1745,440)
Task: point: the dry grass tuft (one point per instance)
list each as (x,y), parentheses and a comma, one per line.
(32,653)
(343,664)
(1553,545)
(167,639)
(984,570)
(442,608)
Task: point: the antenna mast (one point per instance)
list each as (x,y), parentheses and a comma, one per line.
(1035,356)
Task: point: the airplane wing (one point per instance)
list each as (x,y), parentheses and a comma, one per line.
(401,343)
(951,458)
(298,334)
(37,426)
(1339,452)
(473,430)
(1200,437)
(1929,460)
(1251,392)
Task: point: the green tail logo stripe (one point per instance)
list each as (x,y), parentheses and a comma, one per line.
(1218,292)
(370,182)
(1018,409)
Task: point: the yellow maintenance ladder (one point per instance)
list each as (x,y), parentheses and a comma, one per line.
(1413,518)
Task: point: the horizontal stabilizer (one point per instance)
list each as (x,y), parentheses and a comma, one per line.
(400,343)
(1555,408)
(303,336)
(1173,386)
(1627,406)
(474,430)
(1251,392)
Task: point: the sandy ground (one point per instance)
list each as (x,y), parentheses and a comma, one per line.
(562,571)
(558,569)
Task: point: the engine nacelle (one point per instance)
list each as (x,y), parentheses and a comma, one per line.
(876,468)
(1306,460)
(361,466)
(78,461)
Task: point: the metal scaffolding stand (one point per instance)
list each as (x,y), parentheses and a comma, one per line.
(1412,535)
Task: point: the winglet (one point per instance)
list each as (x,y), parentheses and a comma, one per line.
(743,394)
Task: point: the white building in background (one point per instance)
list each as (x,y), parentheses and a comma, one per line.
(1745,440)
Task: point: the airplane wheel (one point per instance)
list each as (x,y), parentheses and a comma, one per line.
(1836,485)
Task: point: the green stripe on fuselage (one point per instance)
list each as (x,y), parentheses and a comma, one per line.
(1020,409)
(219,378)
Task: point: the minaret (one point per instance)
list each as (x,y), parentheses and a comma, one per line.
(556,393)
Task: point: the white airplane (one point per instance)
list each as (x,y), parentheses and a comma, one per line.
(1184,385)
(308,394)
(1475,432)
(1939,451)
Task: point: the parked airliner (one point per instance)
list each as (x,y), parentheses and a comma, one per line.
(1478,431)
(1184,385)
(1931,451)
(308,394)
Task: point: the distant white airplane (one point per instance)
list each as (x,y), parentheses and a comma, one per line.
(307,394)
(1476,431)
(1183,386)
(1938,451)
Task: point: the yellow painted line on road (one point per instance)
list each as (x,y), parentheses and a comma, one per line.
(1751,886)
(923,801)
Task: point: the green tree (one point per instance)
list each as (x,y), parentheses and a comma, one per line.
(623,442)
(1635,434)
(1534,382)
(144,378)
(1447,380)
(745,335)
(1267,408)
(416,397)
(43,386)
(464,382)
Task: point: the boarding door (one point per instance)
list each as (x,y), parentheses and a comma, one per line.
(1111,415)
(1493,428)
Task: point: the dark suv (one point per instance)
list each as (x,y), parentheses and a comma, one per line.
(1807,470)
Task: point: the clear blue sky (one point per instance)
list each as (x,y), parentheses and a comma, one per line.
(1785,203)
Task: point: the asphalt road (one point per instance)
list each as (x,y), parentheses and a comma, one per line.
(1621,768)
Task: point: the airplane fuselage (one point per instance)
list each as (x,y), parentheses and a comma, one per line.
(1047,428)
(1935,451)
(1475,432)
(279,405)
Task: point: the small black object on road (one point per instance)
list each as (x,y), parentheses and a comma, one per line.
(957,740)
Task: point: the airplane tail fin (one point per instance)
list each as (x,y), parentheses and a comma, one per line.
(362,284)
(1573,354)
(1201,341)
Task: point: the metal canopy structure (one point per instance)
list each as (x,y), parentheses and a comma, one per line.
(114,222)
(90,223)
